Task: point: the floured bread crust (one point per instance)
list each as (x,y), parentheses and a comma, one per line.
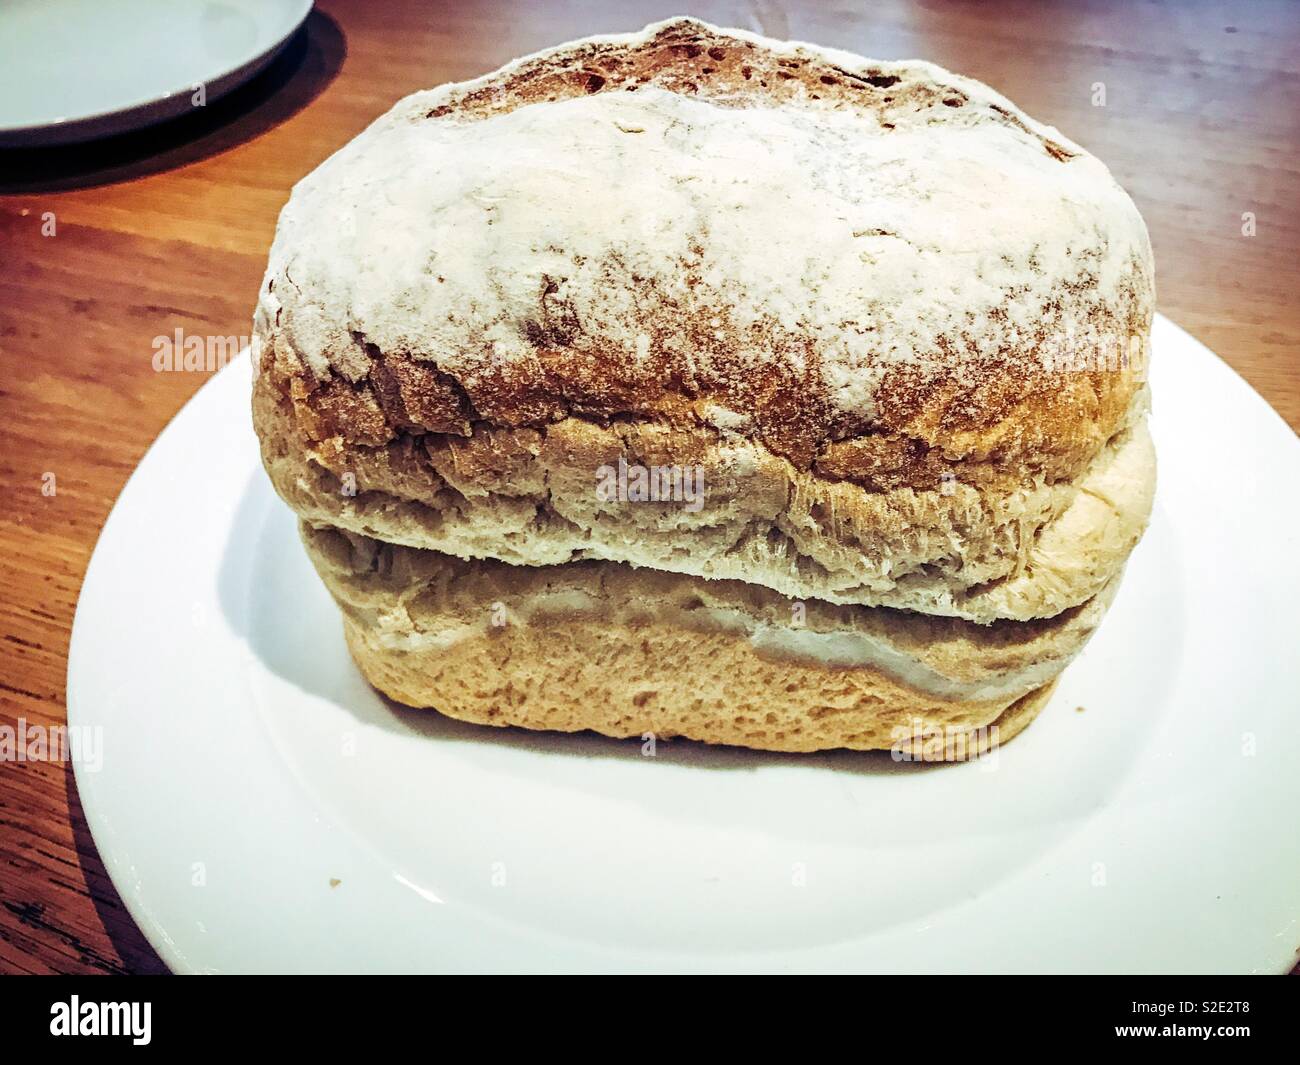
(601,646)
(893,317)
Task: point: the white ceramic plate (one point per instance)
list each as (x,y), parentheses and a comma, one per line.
(260,808)
(74,69)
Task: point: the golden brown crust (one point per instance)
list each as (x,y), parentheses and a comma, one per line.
(528,497)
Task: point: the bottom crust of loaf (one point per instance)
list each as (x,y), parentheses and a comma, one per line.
(670,684)
(632,653)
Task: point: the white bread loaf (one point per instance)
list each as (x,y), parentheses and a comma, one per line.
(897,327)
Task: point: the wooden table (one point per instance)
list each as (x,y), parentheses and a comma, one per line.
(169,229)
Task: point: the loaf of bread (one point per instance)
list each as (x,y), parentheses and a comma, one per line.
(851,353)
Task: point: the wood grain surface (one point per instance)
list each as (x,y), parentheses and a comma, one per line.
(168,229)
